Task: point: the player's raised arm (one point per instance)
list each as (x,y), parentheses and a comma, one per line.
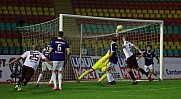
(18,58)
(137,48)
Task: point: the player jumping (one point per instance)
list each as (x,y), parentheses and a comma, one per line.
(149,64)
(45,65)
(59,48)
(131,59)
(112,60)
(98,66)
(32,59)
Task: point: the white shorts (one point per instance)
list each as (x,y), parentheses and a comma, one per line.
(147,68)
(46,66)
(58,65)
(111,65)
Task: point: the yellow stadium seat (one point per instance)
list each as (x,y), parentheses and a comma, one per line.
(45,9)
(170,43)
(82,9)
(4,7)
(99,10)
(94,10)
(163,16)
(129,15)
(158,15)
(1,12)
(78,13)
(39,8)
(179,16)
(34,9)
(5,12)
(177,43)
(110,10)
(167,47)
(112,14)
(106,14)
(52,13)
(172,11)
(140,15)
(178,11)
(77,10)
(95,14)
(133,11)
(127,10)
(175,16)
(150,11)
(89,13)
(161,11)
(10,8)
(165,43)
(46,13)
(105,10)
(121,10)
(15,8)
(124,15)
(10,44)
(22,8)
(28,8)
(169,15)
(152,15)
(147,15)
(15,40)
(11,12)
(155,11)
(51,9)
(84,13)
(88,10)
(173,47)
(116,10)
(35,13)
(29,12)
(118,15)
(138,11)
(179,47)
(100,14)
(40,13)
(167,11)
(144,11)
(23,12)
(135,15)
(17,44)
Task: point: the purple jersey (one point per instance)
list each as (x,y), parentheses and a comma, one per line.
(59,46)
(114,49)
(46,49)
(149,57)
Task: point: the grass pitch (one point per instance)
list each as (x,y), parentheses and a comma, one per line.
(169,89)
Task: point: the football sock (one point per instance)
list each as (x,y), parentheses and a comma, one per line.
(102,77)
(84,74)
(112,78)
(143,72)
(109,76)
(39,78)
(60,80)
(51,80)
(54,79)
(132,75)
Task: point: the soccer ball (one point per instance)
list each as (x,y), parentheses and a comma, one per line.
(119,28)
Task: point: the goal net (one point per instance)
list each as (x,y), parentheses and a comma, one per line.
(89,39)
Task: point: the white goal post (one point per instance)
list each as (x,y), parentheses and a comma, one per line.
(79,28)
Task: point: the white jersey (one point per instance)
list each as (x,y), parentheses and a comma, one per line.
(32,58)
(127,49)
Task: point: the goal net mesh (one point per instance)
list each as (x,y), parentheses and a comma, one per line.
(89,39)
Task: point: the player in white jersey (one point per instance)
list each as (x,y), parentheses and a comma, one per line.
(131,59)
(32,59)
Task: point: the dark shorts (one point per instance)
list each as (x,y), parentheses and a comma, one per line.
(132,62)
(27,73)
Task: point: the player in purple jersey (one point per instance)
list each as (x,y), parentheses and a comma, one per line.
(45,65)
(59,49)
(112,60)
(149,64)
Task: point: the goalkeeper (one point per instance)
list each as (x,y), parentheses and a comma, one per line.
(98,66)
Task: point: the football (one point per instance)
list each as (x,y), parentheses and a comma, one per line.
(119,28)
